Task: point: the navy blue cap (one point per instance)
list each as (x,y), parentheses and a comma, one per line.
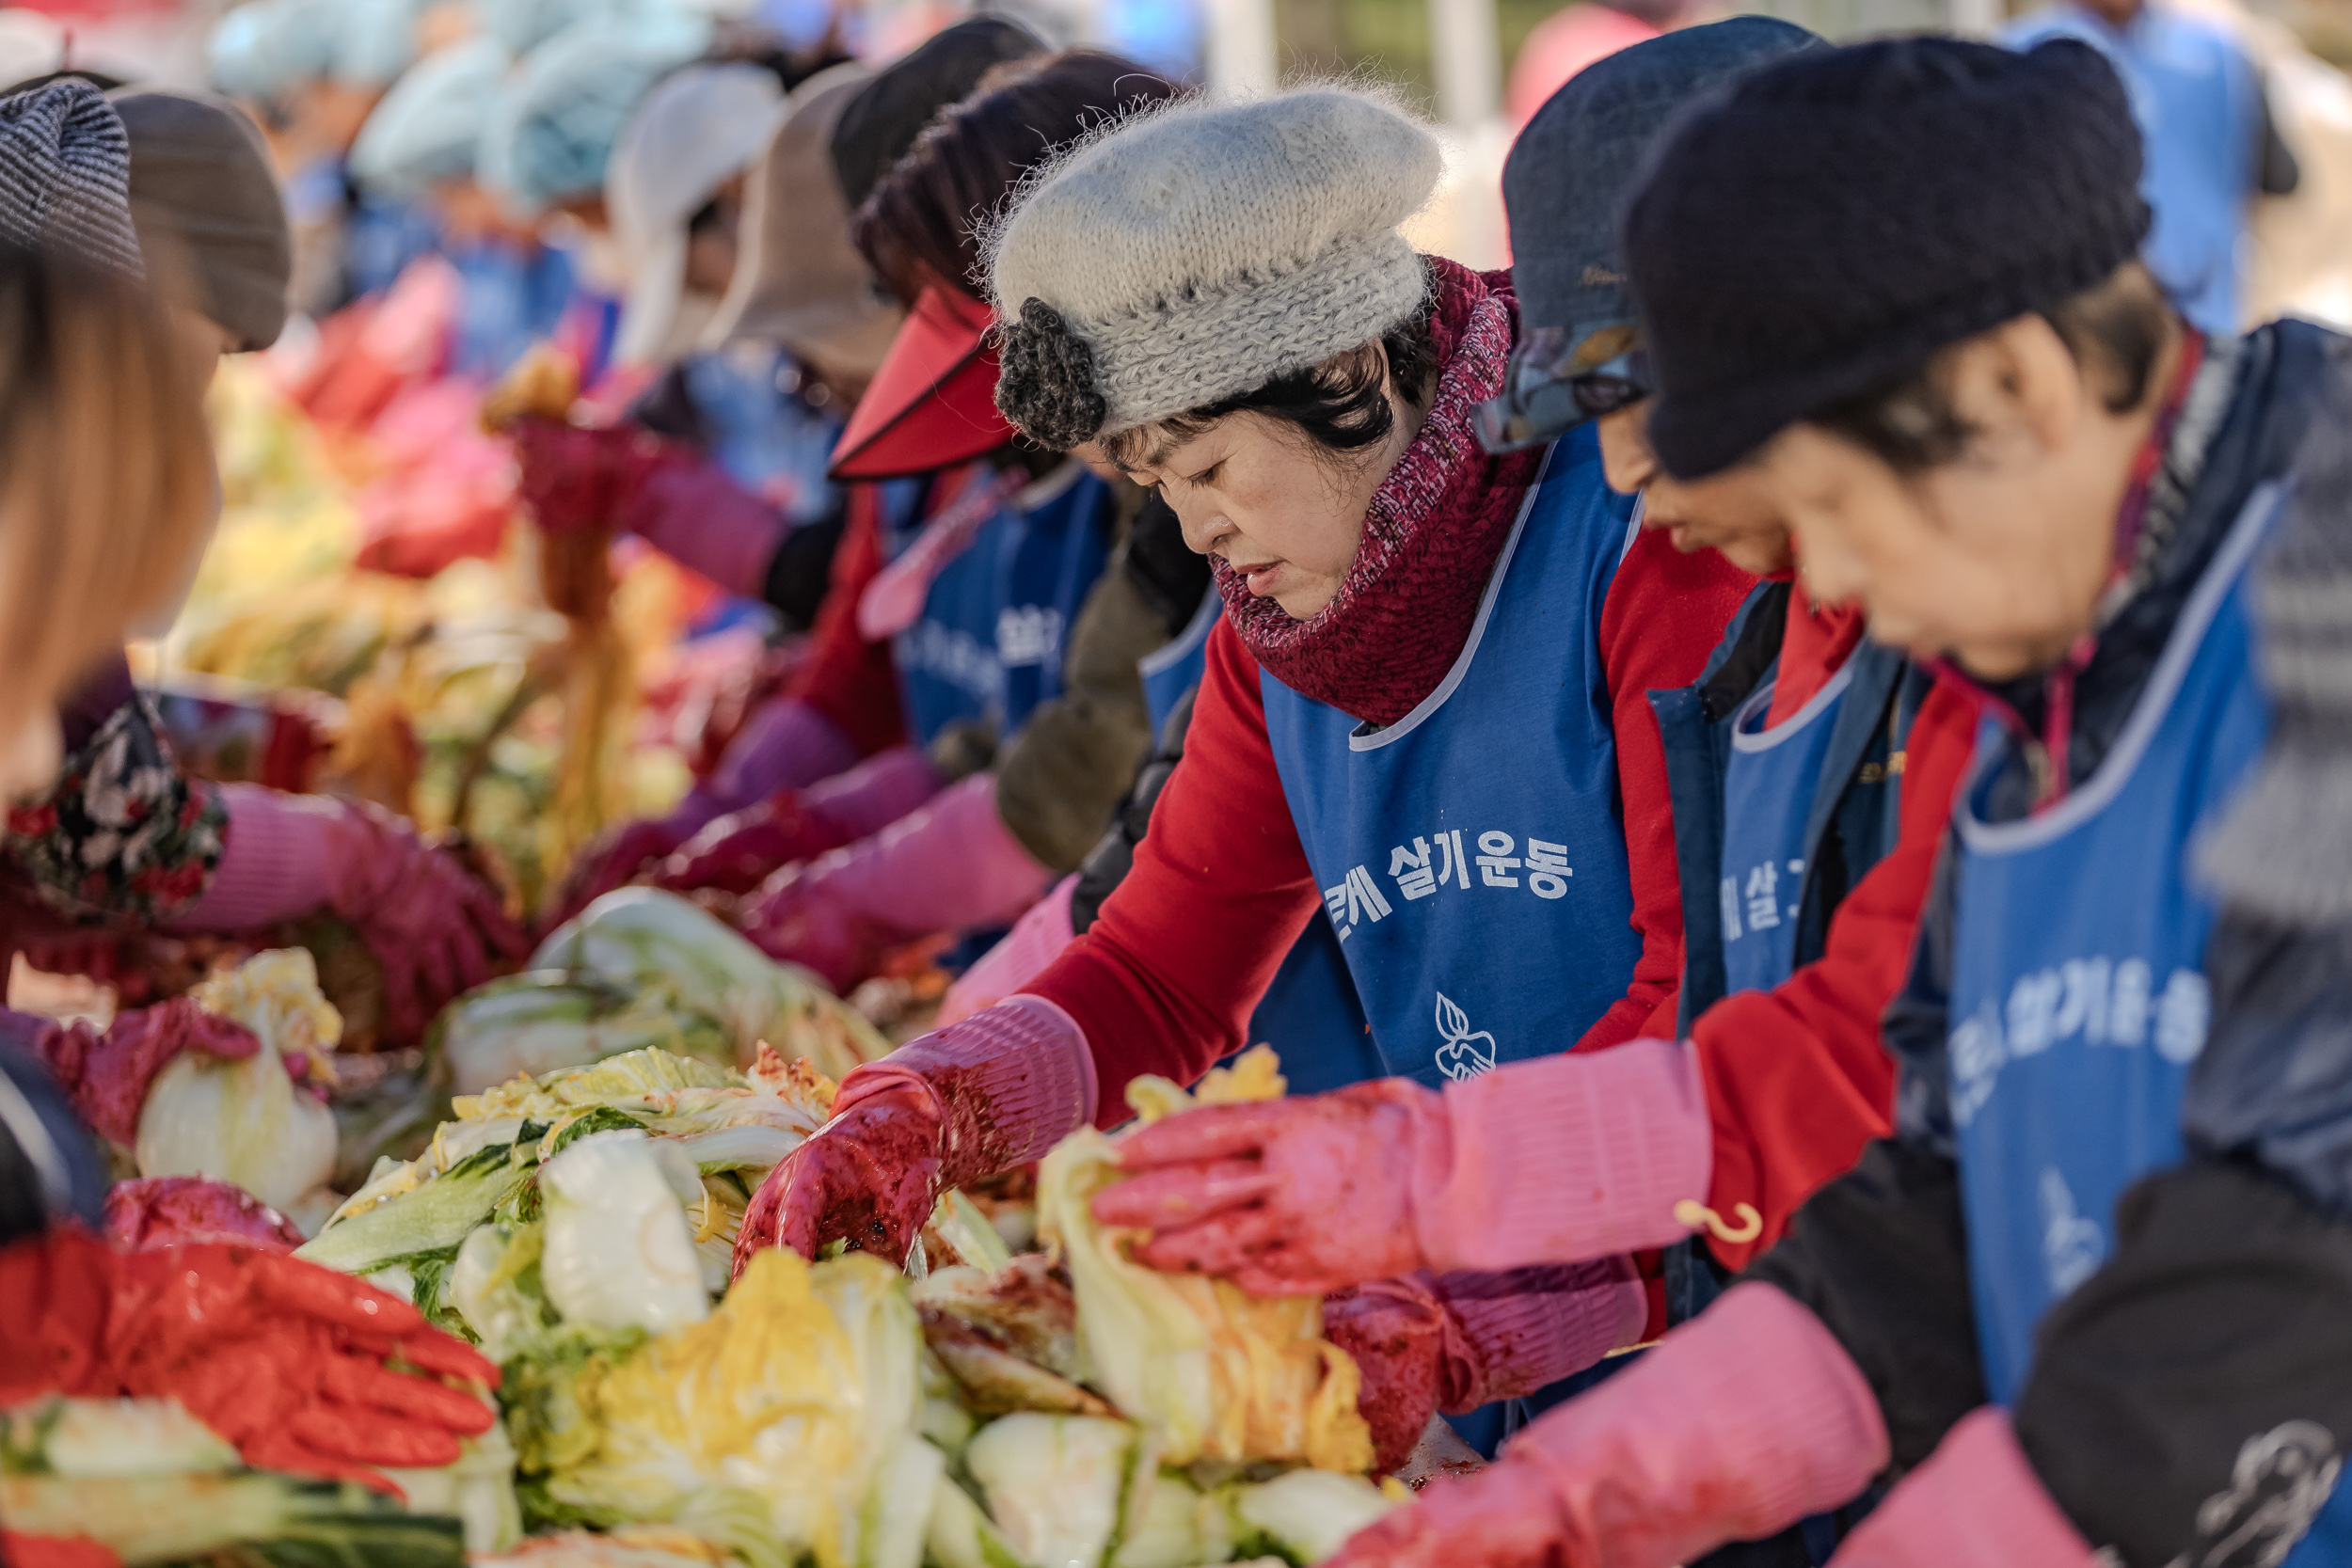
(1564,183)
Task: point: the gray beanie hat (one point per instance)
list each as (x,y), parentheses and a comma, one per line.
(1193,253)
(202,192)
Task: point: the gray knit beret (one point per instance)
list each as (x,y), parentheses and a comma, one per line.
(65,175)
(1197,252)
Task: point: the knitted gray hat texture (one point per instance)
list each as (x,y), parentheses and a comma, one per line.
(65,175)
(1194,252)
(2285,850)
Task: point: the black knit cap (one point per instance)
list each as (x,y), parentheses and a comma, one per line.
(1840,215)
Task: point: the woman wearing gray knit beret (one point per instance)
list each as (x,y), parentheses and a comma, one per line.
(1422,712)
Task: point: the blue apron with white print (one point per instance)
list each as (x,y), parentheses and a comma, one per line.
(1768,801)
(2078,996)
(989,644)
(1470,854)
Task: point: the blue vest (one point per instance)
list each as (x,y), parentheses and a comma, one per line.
(1470,854)
(510,300)
(2199,107)
(1768,801)
(989,645)
(2078,996)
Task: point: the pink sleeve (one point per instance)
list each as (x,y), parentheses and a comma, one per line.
(1976,1503)
(277,861)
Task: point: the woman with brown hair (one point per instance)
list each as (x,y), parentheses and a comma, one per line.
(107,496)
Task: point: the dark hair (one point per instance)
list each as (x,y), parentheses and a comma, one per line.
(2114,329)
(1340,405)
(919,226)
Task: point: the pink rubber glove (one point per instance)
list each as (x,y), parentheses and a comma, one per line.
(696,514)
(1035,941)
(739,851)
(1740,1423)
(994,1091)
(1453,1343)
(580,476)
(785,745)
(435,930)
(951,865)
(1976,1503)
(106,1074)
(1554,1161)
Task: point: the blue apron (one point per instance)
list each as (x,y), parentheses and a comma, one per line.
(2199,106)
(989,645)
(1470,854)
(1768,801)
(510,300)
(2078,994)
(1310,1014)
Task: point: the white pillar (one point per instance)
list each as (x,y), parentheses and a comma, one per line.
(1466,47)
(1241,53)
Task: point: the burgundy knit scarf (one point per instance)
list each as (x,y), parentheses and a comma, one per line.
(1431,537)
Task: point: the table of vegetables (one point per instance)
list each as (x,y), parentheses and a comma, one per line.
(559,1176)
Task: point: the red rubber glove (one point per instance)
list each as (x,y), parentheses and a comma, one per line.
(995,1091)
(738,852)
(51,1551)
(580,476)
(107,1074)
(153,1212)
(1288,1197)
(292,1364)
(870,1176)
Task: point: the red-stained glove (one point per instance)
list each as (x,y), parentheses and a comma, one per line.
(435,928)
(1287,1197)
(303,1369)
(617,858)
(995,1091)
(107,1074)
(1398,1343)
(580,476)
(739,851)
(173,1210)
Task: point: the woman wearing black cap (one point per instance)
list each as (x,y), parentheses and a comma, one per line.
(2089,1304)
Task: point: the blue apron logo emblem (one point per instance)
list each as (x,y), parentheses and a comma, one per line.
(2282,1481)
(1465,1054)
(2072,1246)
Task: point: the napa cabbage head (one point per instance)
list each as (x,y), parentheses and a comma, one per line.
(529,1024)
(618,1251)
(770,1425)
(1207,1371)
(658,943)
(247,1122)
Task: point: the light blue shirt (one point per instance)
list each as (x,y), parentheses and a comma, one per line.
(2197,100)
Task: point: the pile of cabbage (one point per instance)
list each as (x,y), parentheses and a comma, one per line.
(641,968)
(1066,1409)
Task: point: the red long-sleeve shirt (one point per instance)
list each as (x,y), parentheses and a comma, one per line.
(1167,977)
